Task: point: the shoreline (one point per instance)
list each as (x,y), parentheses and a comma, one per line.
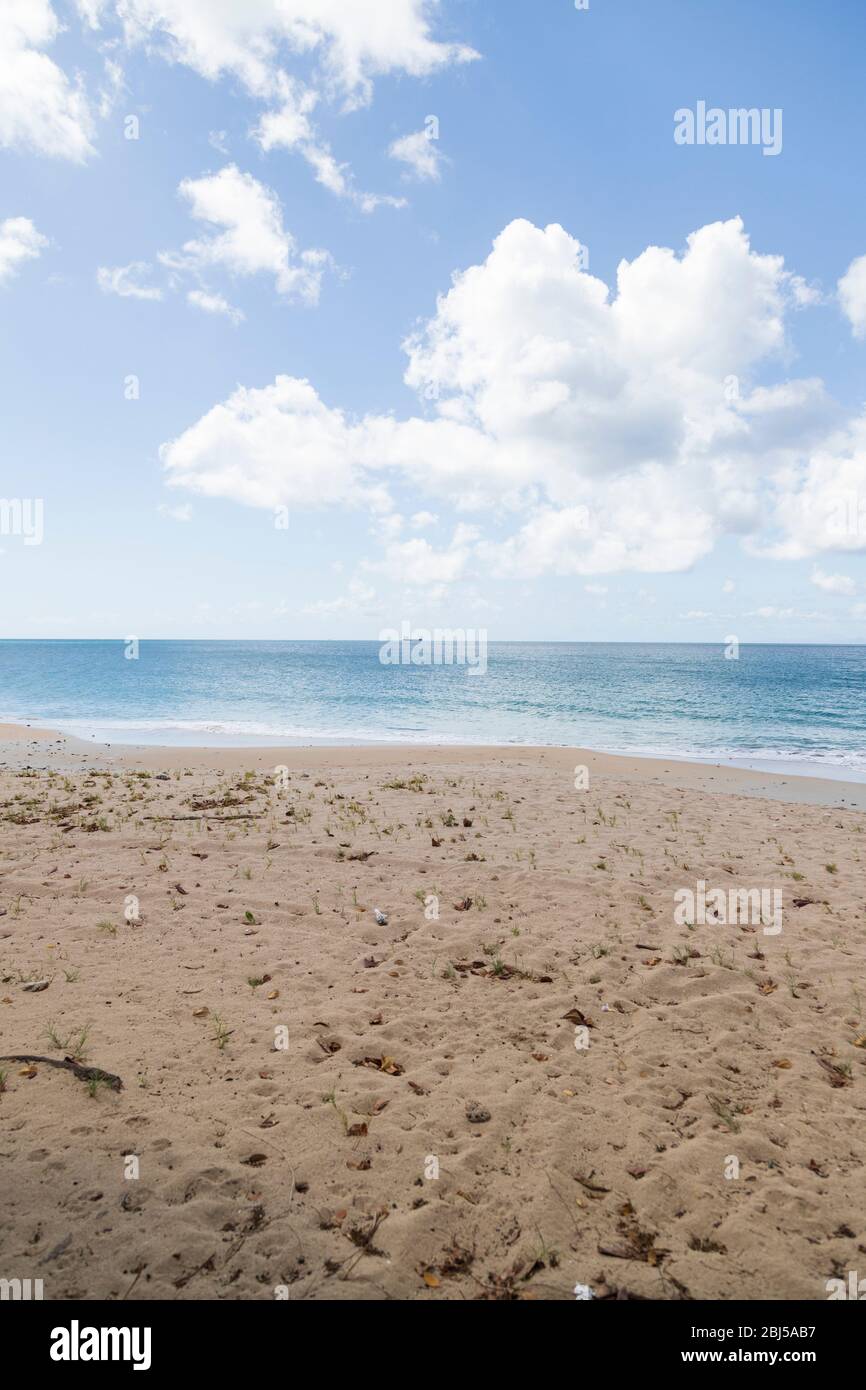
(22,745)
(177,740)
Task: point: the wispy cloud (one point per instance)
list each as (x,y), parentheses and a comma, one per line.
(126,281)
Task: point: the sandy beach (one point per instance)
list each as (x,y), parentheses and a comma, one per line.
(524,1076)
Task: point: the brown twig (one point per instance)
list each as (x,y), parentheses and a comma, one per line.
(83,1073)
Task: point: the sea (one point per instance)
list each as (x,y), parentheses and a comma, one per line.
(800,709)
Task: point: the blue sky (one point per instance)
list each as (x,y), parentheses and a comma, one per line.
(544,452)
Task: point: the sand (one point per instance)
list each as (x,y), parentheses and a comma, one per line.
(322,1106)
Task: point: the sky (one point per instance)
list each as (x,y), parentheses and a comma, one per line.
(316,317)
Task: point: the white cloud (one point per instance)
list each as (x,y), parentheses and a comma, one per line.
(421,521)
(530,342)
(40,109)
(181,513)
(417,564)
(252,238)
(602,422)
(833,583)
(214,304)
(340,47)
(852,295)
(338,179)
(804,295)
(289,127)
(350,43)
(634,525)
(19,242)
(771,611)
(420,153)
(113,85)
(820,501)
(577,389)
(597,590)
(728,587)
(360,597)
(125,280)
(248,238)
(275,446)
(388,527)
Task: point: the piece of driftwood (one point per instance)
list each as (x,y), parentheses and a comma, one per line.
(83,1073)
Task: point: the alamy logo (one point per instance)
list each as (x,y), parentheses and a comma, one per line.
(736,906)
(23,516)
(76,1343)
(21,1290)
(846,515)
(439,646)
(738,126)
(854,1288)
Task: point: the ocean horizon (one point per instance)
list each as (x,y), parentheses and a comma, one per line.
(794,708)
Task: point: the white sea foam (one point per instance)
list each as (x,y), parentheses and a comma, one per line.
(843,763)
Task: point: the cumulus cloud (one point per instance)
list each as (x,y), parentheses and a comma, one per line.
(246,237)
(19,242)
(274,446)
(419,153)
(820,501)
(852,295)
(530,343)
(250,237)
(125,280)
(604,424)
(41,110)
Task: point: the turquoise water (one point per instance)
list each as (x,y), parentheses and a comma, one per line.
(795,707)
